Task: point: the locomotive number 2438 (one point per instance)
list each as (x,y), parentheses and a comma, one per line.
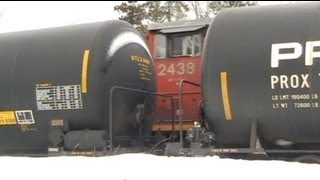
(180,68)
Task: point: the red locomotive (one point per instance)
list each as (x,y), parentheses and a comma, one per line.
(176,49)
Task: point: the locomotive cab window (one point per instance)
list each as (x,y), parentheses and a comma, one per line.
(161,46)
(185,45)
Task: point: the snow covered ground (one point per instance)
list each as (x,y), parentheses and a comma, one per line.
(151,167)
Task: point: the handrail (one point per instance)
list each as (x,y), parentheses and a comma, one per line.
(180,104)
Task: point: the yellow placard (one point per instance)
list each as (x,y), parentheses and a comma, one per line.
(7,118)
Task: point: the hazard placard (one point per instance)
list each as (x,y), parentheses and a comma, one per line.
(7,118)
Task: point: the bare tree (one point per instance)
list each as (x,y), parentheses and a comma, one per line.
(199,8)
(133,12)
(216,6)
(155,11)
(175,10)
(205,9)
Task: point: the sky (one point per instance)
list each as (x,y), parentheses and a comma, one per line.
(27,15)
(151,167)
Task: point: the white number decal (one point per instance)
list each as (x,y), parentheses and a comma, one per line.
(162,68)
(171,69)
(190,68)
(180,68)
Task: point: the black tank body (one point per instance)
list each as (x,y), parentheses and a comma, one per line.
(262,64)
(65,74)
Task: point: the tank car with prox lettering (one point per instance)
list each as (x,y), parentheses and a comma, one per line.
(76,88)
(260,77)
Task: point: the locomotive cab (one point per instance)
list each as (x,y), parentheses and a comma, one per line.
(176,49)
